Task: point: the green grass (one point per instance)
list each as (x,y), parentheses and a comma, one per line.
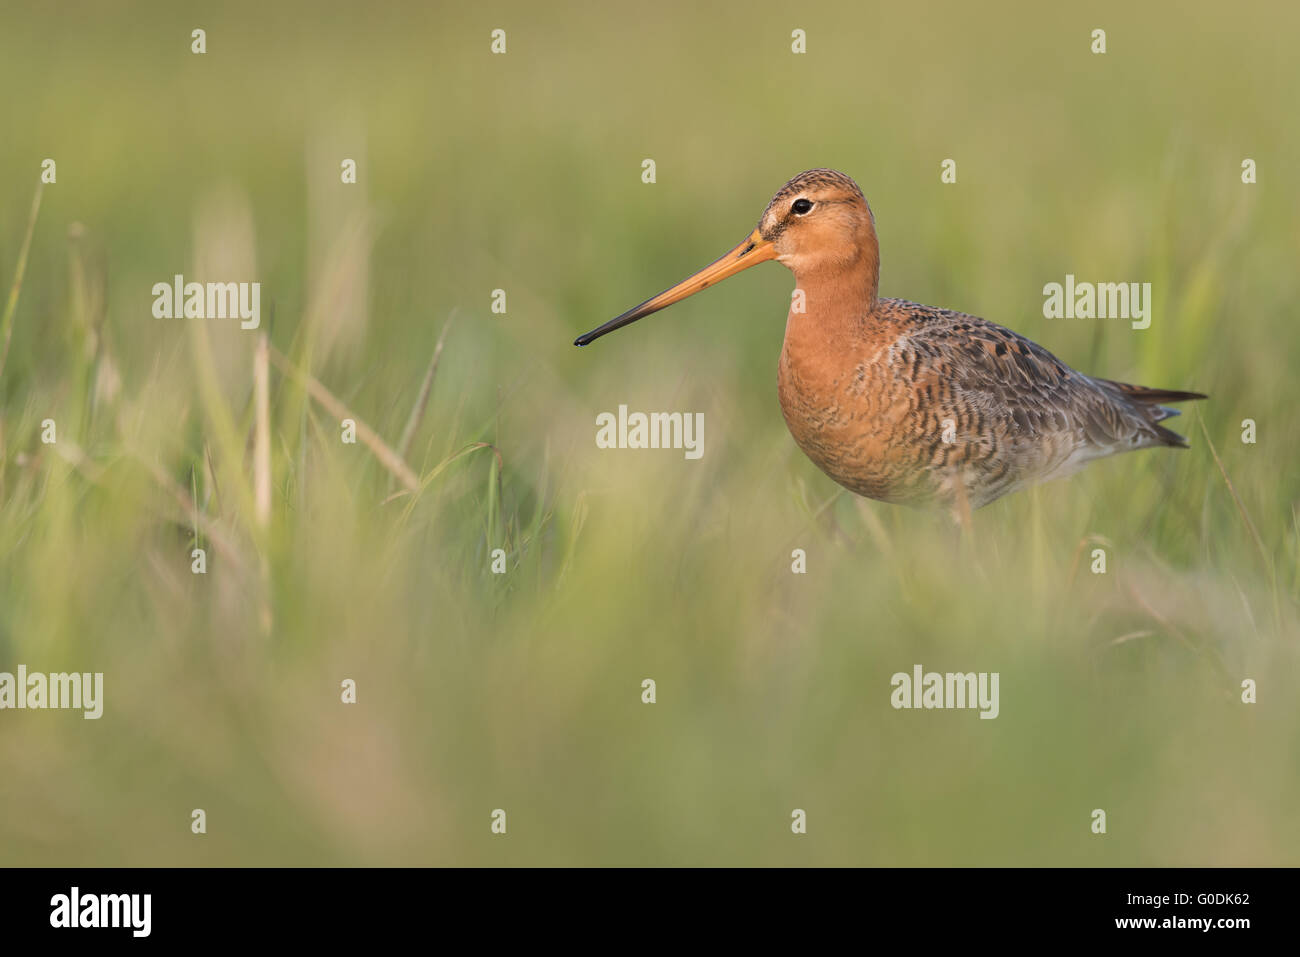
(522,691)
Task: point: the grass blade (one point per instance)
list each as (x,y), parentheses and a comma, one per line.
(422,401)
(7,323)
(378,447)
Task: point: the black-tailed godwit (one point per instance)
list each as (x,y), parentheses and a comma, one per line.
(908,403)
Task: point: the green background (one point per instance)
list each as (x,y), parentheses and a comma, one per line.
(522,691)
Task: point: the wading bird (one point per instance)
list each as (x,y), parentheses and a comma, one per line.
(908,403)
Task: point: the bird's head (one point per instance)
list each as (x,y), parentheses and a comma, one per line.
(817,225)
(819,222)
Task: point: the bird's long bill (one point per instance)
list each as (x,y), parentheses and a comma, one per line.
(754,250)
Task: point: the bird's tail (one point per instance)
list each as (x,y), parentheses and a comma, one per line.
(1151,401)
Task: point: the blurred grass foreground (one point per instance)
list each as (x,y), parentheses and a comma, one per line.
(128,442)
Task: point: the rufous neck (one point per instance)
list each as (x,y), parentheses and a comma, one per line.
(836,300)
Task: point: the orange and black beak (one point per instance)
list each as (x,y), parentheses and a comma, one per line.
(754,250)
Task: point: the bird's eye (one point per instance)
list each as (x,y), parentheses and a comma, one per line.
(801,207)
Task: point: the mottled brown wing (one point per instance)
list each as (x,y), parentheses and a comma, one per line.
(1023,411)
